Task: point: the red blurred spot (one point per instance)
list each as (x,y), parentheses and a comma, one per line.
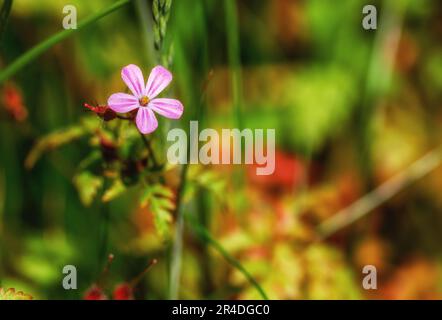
(123,292)
(94,293)
(13,103)
(290,173)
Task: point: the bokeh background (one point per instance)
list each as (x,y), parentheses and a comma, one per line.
(352,109)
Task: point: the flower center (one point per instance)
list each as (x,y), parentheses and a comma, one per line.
(144,100)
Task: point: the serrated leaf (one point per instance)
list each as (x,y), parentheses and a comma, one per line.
(115,190)
(209,180)
(166,204)
(160,201)
(93,158)
(87,186)
(12,294)
(163,191)
(162,219)
(59,138)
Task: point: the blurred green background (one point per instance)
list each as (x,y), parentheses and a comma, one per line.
(351,108)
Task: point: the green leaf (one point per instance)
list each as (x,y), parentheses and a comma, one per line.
(59,138)
(160,201)
(87,186)
(53,141)
(209,180)
(116,189)
(319,103)
(11,294)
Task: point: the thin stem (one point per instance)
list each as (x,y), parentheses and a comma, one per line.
(150,149)
(384,192)
(102,277)
(379,76)
(204,234)
(2,208)
(175,270)
(146,23)
(45,45)
(104,243)
(138,278)
(234,57)
(124,118)
(4,15)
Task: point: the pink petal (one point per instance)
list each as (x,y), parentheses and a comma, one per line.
(146,120)
(159,79)
(122,102)
(169,108)
(133,77)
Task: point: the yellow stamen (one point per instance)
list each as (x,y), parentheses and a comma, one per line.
(144,101)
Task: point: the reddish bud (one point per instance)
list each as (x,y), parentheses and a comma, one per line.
(13,103)
(95,293)
(108,149)
(123,291)
(104,112)
(97,109)
(109,115)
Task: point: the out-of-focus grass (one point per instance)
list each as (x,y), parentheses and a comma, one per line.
(237,64)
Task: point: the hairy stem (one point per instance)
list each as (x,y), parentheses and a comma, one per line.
(150,149)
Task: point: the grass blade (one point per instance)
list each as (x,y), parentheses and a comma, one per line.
(4,15)
(233,48)
(40,48)
(205,235)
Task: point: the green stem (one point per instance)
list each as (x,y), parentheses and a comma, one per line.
(40,48)
(379,78)
(150,150)
(146,24)
(234,57)
(175,269)
(204,234)
(2,208)
(4,15)
(104,241)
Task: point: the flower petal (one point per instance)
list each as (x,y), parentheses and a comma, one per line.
(169,108)
(133,78)
(146,120)
(159,79)
(122,102)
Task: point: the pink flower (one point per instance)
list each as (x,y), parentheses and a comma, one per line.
(144,99)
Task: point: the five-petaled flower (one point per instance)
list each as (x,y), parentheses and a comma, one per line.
(144,97)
